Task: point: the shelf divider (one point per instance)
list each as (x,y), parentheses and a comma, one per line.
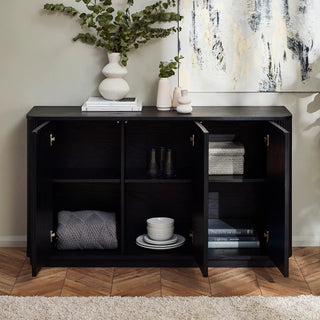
(235,179)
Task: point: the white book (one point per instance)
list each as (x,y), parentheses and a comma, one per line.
(136,107)
(233,244)
(99,101)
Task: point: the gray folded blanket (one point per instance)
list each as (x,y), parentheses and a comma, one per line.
(87,229)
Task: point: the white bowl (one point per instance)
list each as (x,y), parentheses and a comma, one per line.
(160,234)
(160,222)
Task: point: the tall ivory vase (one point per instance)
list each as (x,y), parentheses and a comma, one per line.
(114,87)
(164,100)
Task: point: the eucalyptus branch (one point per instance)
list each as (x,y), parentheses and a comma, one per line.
(121,31)
(166,69)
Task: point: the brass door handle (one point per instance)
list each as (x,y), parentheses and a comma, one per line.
(52,139)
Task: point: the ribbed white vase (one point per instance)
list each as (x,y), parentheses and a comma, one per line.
(184,103)
(164,95)
(114,87)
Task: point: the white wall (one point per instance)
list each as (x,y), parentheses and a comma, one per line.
(40,65)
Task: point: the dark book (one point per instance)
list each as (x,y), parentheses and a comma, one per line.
(232,238)
(230,227)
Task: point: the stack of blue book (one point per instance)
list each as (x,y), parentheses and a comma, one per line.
(232,233)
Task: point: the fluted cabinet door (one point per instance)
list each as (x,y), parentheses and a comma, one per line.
(42,144)
(278,196)
(199,140)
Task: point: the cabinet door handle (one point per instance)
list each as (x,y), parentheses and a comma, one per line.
(267,140)
(52,139)
(192,140)
(52,236)
(191,235)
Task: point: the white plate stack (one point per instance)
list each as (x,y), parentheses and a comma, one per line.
(160,235)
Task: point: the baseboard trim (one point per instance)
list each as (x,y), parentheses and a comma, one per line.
(306,241)
(13,241)
(297,241)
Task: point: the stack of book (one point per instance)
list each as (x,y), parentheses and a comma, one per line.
(101,104)
(232,233)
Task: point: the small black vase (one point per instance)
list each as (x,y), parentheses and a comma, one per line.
(162,163)
(153,167)
(169,171)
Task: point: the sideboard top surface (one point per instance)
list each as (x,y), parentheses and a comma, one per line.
(151,113)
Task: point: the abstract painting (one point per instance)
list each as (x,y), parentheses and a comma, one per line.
(250,45)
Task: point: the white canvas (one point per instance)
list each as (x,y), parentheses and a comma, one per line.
(250,45)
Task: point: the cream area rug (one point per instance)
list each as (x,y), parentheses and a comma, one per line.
(168,308)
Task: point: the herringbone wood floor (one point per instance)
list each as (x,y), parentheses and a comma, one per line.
(16,279)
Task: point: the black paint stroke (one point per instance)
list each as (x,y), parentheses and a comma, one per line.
(254,20)
(217,46)
(193,37)
(285,11)
(218,52)
(261,10)
(273,75)
(301,51)
(298,46)
(303,6)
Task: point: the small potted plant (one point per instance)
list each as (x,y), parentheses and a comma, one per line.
(119,32)
(166,70)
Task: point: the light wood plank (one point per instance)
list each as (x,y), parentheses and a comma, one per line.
(11,262)
(136,282)
(48,282)
(308,259)
(184,282)
(6,284)
(273,283)
(227,282)
(88,282)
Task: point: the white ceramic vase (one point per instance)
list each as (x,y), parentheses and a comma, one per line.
(114,87)
(164,95)
(176,96)
(184,103)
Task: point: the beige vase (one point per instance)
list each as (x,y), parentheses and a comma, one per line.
(164,95)
(114,87)
(176,96)
(184,103)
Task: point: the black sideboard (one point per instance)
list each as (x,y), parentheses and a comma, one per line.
(98,160)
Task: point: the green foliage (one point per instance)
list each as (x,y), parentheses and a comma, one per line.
(167,68)
(121,31)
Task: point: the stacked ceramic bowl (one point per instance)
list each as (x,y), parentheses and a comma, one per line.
(160,235)
(160,228)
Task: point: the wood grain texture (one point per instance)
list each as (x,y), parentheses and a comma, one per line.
(48,283)
(16,279)
(11,262)
(184,282)
(272,282)
(88,282)
(227,282)
(136,282)
(308,260)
